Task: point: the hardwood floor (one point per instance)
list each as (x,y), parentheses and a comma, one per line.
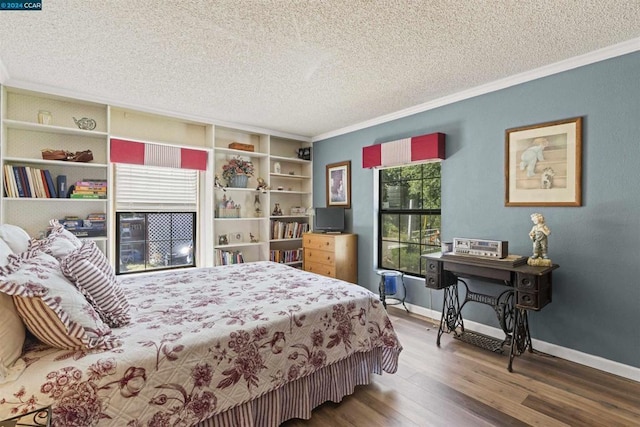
(459,384)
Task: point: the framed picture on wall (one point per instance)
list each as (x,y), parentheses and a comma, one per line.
(339,184)
(543,164)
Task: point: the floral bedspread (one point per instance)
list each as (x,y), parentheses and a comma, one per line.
(202,341)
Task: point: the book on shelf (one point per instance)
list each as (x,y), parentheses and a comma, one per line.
(19,182)
(288,230)
(61,182)
(87,196)
(28,182)
(228,257)
(29,177)
(50,185)
(286,256)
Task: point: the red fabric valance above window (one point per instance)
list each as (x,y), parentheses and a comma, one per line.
(141,153)
(417,149)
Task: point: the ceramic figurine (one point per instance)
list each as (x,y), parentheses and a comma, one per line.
(217,183)
(262,185)
(85,123)
(539,236)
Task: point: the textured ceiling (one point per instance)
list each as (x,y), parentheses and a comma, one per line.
(300,67)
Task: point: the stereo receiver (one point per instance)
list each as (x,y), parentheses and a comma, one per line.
(481,248)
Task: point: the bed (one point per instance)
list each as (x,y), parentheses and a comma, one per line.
(238,345)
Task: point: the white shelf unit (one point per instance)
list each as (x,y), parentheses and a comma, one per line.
(291,184)
(294,177)
(238,231)
(23,140)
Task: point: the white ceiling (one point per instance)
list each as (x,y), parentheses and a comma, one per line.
(308,68)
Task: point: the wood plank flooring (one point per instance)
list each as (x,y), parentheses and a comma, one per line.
(460,385)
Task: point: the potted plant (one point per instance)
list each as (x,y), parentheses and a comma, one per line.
(237,172)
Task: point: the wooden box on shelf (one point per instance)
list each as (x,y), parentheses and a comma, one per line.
(241,146)
(228,213)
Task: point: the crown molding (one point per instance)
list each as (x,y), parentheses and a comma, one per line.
(609,52)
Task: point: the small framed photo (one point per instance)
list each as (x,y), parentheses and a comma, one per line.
(543,164)
(236,237)
(339,184)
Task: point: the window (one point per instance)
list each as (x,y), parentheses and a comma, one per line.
(151,241)
(409,216)
(155,217)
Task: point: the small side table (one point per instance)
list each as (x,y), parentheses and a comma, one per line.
(37,418)
(390,281)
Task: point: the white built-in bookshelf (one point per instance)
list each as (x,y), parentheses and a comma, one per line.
(33,121)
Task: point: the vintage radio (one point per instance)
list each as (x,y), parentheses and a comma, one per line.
(481,248)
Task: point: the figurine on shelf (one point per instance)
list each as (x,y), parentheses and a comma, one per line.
(218,184)
(257,204)
(252,238)
(539,236)
(276,210)
(262,185)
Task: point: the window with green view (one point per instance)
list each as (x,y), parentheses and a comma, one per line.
(408,216)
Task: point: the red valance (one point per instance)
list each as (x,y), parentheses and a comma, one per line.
(405,151)
(140,153)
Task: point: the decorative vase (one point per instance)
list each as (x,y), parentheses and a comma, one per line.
(44,117)
(239,181)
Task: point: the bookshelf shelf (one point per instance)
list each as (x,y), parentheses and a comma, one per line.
(25,131)
(24,138)
(54,163)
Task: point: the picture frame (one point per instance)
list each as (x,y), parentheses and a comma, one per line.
(236,237)
(543,164)
(339,184)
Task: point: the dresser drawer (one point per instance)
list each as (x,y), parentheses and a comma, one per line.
(323,269)
(319,241)
(318,256)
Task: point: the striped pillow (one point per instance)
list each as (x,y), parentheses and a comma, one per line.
(89,270)
(50,306)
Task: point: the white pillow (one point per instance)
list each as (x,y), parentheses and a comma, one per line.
(59,243)
(50,306)
(15,237)
(12,333)
(5,251)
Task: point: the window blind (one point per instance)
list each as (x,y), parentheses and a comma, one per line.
(151,188)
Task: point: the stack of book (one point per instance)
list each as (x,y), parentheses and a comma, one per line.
(93,226)
(286,256)
(288,230)
(90,189)
(228,257)
(25,181)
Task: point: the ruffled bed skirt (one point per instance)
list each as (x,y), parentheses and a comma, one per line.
(298,398)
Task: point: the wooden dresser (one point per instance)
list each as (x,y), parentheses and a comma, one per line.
(332,255)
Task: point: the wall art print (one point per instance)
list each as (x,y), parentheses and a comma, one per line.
(543,164)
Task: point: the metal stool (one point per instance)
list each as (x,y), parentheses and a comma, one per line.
(389,283)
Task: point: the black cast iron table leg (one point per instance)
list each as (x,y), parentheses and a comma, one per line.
(451,316)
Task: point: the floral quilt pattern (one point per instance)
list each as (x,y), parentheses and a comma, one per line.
(202,341)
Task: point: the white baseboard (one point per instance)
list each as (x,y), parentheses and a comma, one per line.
(571,355)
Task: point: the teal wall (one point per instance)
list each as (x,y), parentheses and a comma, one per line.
(596,291)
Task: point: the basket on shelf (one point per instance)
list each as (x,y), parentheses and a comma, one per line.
(238,181)
(228,213)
